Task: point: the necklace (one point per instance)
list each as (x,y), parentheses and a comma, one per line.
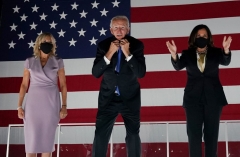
(204,51)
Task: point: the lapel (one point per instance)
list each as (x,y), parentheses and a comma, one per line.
(193,58)
(207,60)
(114,61)
(122,61)
(115,56)
(42,70)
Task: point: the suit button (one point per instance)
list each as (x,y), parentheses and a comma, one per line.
(131,66)
(202,75)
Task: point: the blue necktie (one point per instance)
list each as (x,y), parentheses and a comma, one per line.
(119,59)
(118,66)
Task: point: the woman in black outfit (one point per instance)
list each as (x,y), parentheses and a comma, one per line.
(203,95)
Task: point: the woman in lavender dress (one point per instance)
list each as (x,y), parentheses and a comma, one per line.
(42,110)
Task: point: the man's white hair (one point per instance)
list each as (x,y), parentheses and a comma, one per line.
(119,17)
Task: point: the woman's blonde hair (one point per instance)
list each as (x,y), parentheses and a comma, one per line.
(39,40)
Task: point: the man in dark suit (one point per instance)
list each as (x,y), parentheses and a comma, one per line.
(203,95)
(120,61)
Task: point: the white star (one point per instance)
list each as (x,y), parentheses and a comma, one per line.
(61,33)
(52,25)
(11,45)
(74,6)
(81,32)
(63,16)
(115,4)
(93,41)
(23,18)
(54,7)
(94,23)
(40,33)
(72,42)
(21,36)
(73,24)
(31,44)
(13,27)
(104,12)
(102,32)
(16,9)
(95,5)
(43,17)
(83,14)
(26,0)
(33,26)
(35,8)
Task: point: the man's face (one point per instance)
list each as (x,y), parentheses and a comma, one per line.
(119,28)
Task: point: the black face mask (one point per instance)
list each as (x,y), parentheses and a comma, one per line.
(201,42)
(46,47)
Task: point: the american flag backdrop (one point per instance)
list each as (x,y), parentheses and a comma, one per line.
(78,26)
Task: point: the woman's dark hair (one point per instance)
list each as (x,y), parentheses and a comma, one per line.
(193,36)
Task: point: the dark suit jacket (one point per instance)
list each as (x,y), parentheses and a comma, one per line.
(207,81)
(126,80)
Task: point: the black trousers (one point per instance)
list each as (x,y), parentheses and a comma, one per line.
(203,120)
(104,125)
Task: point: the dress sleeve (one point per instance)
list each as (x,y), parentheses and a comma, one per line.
(26,64)
(60,63)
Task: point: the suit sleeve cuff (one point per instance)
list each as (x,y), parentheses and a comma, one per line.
(106,60)
(229,53)
(128,58)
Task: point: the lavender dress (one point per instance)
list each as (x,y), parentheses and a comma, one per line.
(42,105)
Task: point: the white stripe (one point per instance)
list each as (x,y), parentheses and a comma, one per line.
(162,62)
(156,62)
(149,97)
(165,29)
(72,67)
(11,69)
(144,3)
(149,133)
(78,66)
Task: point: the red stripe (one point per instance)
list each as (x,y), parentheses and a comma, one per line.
(185,12)
(177,79)
(154,113)
(10,84)
(177,149)
(158,45)
(163,79)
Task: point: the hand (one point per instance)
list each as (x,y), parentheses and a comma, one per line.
(112,49)
(226,44)
(20,113)
(125,47)
(114,46)
(63,113)
(172,49)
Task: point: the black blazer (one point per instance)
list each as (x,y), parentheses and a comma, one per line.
(126,79)
(207,81)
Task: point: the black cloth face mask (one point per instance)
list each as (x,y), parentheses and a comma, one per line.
(46,47)
(201,42)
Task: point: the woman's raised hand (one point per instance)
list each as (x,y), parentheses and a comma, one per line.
(172,49)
